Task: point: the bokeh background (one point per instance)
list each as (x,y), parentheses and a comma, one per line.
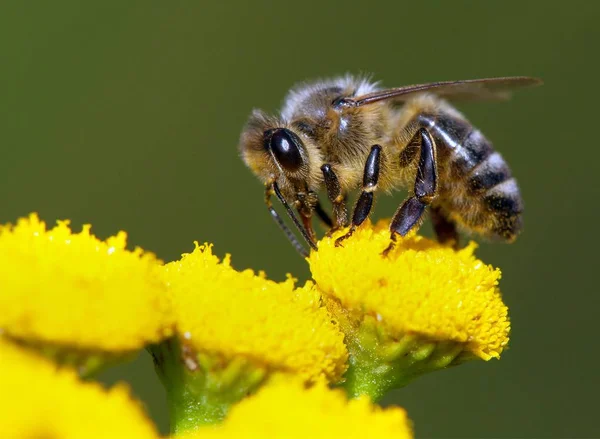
(127,114)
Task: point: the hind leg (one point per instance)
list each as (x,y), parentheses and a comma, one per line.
(410,213)
(444,227)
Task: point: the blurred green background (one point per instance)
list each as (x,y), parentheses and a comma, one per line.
(126,114)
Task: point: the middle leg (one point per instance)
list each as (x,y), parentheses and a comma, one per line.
(337,198)
(444,228)
(365,200)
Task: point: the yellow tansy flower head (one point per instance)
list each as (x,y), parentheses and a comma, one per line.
(288,410)
(39,401)
(236,329)
(423,296)
(240,314)
(67,289)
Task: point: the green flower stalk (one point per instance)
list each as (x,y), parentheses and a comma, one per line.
(201,388)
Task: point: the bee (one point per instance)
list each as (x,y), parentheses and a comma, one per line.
(345,134)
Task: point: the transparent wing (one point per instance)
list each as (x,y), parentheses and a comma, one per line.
(487,89)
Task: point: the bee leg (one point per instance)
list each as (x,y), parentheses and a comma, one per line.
(271,189)
(365,200)
(306,218)
(323,216)
(410,213)
(306,202)
(444,227)
(338,200)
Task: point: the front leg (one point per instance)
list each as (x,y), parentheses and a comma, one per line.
(410,213)
(305,203)
(338,201)
(365,200)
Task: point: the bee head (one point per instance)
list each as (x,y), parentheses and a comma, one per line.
(273,150)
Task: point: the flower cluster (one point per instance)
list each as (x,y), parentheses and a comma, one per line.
(239,354)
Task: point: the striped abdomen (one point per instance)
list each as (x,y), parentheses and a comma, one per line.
(476,188)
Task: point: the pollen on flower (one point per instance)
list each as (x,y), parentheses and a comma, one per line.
(39,401)
(286,409)
(421,288)
(73,290)
(233,314)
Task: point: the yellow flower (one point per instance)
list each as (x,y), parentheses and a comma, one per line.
(39,401)
(229,313)
(423,298)
(66,289)
(235,330)
(288,410)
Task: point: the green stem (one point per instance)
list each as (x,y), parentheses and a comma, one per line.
(360,380)
(189,410)
(201,388)
(376,375)
(379,364)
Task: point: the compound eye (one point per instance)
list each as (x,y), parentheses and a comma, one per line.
(285,146)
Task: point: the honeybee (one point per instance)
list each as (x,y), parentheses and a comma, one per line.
(347,133)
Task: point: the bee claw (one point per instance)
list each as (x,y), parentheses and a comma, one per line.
(344,237)
(390,247)
(386,252)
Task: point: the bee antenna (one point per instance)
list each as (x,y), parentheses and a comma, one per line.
(288,233)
